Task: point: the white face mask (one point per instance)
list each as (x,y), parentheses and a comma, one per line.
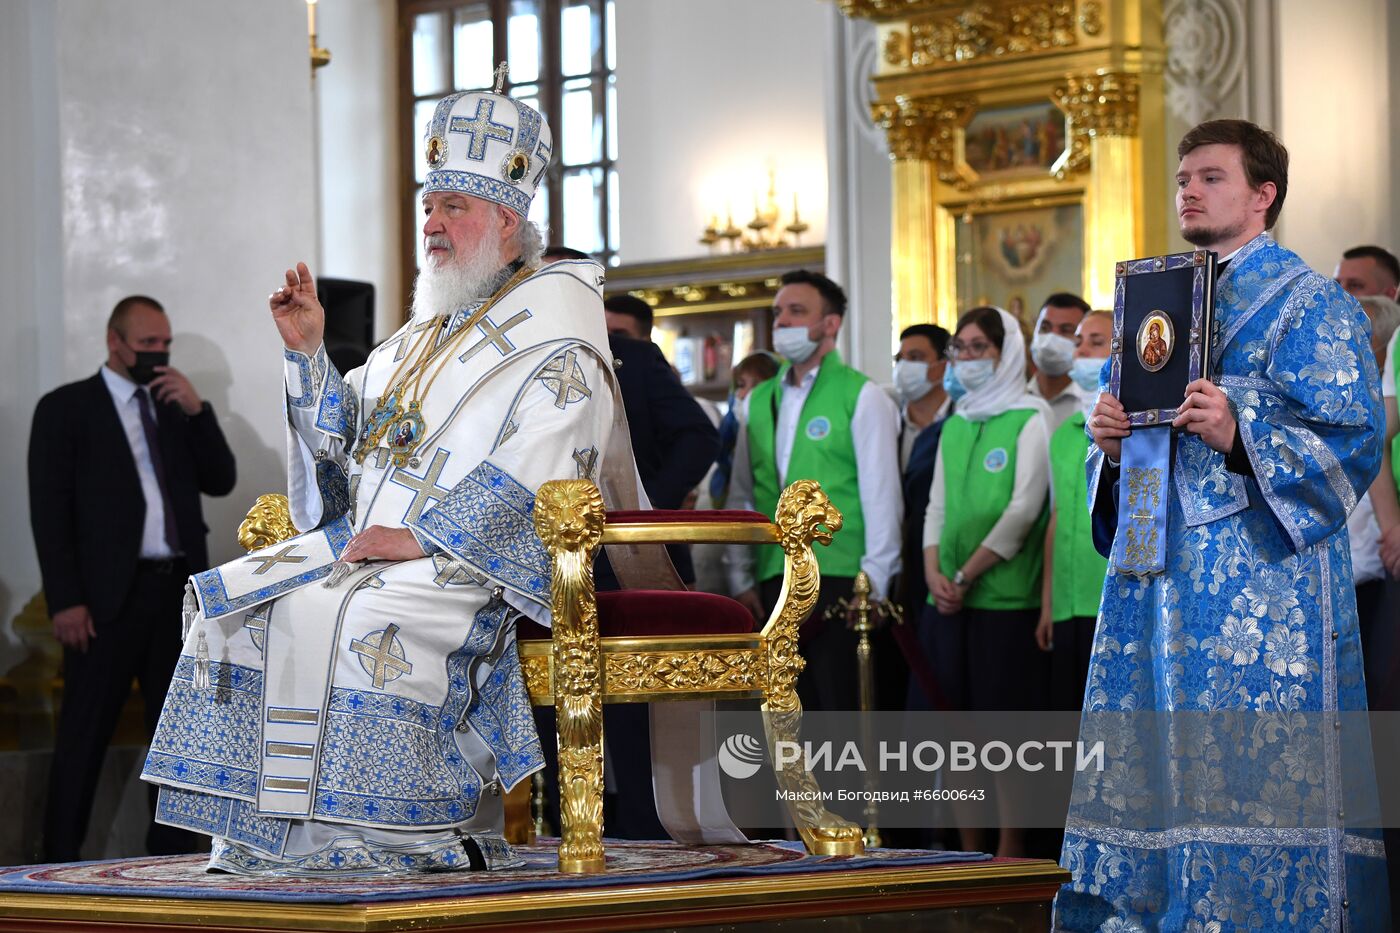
(974,374)
(1052,353)
(794,343)
(911,379)
(1085,372)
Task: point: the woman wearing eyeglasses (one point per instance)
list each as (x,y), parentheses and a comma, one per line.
(984,535)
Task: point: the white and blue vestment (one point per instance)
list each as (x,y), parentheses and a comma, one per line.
(1234,796)
(374,724)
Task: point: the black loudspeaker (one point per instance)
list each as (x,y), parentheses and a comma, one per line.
(349,321)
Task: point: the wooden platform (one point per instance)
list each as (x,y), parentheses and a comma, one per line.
(1012,894)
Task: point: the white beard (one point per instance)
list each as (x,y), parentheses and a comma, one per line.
(459,282)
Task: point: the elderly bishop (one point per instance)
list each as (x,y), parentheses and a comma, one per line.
(351,698)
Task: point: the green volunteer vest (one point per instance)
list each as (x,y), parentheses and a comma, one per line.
(1079,569)
(979,471)
(823,450)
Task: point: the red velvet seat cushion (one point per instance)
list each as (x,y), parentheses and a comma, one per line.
(636,613)
(684,516)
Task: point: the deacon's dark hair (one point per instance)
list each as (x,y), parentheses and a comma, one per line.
(935,335)
(988,321)
(117,320)
(1383,257)
(633,307)
(833,297)
(1264,157)
(1066,300)
(556,253)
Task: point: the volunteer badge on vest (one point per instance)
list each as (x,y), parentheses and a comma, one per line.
(1162,310)
(818,428)
(995,461)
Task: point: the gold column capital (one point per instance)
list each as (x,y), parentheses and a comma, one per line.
(926,129)
(1097,104)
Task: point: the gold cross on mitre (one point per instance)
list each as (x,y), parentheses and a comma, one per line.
(502,72)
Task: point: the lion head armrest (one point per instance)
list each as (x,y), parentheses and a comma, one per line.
(268,522)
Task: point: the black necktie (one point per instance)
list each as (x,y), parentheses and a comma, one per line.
(148,424)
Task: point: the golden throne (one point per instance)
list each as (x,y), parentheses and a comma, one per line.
(584,664)
(591,658)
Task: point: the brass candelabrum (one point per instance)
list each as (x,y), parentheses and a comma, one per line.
(864,615)
(765,230)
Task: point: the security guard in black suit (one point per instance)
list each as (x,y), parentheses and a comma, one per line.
(117,463)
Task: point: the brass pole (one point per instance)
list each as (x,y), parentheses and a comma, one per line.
(861,611)
(538,824)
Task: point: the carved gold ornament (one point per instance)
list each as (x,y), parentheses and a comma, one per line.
(581,669)
(569,520)
(986,31)
(269,521)
(698,671)
(1097,105)
(927,129)
(569,515)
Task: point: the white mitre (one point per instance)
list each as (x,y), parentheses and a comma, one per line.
(488,146)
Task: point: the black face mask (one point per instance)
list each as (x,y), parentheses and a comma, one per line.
(144,369)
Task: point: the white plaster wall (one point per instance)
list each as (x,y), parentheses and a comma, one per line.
(709,96)
(174,148)
(356,110)
(31,282)
(1336,107)
(858,237)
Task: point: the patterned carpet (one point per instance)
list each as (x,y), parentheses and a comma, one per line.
(628,863)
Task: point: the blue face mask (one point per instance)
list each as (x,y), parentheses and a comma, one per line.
(951,385)
(1085,372)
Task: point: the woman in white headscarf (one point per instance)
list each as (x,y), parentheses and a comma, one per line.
(984,535)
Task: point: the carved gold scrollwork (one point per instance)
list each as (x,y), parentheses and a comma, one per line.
(883,9)
(1091,17)
(1097,105)
(804,515)
(927,129)
(536,672)
(569,520)
(823,832)
(898,48)
(990,30)
(682,670)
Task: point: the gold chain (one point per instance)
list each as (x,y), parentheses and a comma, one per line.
(441,352)
(404,385)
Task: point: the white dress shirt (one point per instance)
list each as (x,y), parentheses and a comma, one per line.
(875,437)
(1069,401)
(909,431)
(1388,373)
(128,402)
